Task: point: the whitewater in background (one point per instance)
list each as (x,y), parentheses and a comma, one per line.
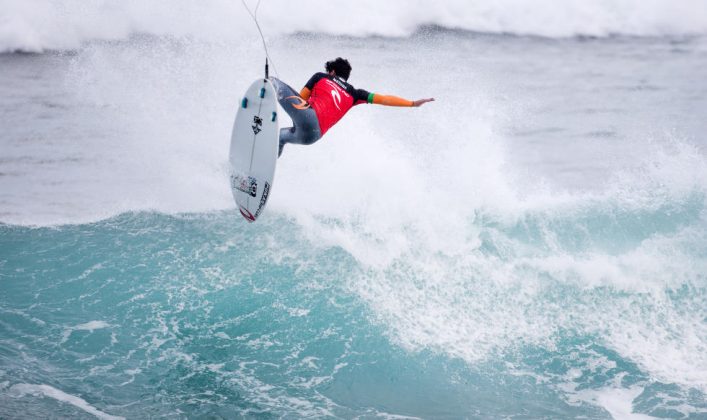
(533,244)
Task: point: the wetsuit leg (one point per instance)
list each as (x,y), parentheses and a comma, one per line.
(306,125)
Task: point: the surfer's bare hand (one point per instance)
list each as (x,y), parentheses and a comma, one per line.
(422,101)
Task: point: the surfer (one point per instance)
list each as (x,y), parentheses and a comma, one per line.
(324,100)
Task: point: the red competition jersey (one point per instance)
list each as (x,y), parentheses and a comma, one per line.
(332,97)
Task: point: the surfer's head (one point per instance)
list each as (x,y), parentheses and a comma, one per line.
(340,67)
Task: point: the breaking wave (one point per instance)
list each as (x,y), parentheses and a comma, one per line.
(37,25)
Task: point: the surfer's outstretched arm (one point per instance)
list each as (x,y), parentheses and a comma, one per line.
(390,100)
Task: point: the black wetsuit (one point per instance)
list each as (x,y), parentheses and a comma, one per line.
(306,125)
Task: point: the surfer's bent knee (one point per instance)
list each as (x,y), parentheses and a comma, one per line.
(310,137)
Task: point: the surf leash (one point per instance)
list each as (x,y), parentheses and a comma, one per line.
(254,16)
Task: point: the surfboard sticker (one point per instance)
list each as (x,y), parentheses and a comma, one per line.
(254,147)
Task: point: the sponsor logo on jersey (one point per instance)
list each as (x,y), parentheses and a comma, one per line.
(338,87)
(337,98)
(340,83)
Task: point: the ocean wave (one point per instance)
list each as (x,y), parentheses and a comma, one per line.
(37,26)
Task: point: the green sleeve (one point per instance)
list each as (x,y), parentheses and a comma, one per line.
(370,97)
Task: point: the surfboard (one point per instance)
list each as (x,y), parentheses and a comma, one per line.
(254,146)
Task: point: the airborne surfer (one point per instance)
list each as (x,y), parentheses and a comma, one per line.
(324,100)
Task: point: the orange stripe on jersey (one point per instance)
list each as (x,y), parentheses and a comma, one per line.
(390,100)
(305,92)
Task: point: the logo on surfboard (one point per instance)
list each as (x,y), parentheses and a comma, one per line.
(247,185)
(250,217)
(263,199)
(245,213)
(257,123)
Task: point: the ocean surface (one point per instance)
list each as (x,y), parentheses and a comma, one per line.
(533,244)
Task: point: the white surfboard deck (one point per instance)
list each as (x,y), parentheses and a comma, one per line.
(254,147)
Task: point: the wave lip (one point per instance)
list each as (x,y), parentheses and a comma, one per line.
(36,26)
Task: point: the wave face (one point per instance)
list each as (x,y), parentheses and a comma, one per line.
(593,312)
(533,244)
(39,25)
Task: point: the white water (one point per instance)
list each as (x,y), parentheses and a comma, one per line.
(21,390)
(38,25)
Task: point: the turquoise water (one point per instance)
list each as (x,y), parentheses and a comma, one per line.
(150,315)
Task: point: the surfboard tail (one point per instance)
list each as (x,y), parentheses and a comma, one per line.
(246,214)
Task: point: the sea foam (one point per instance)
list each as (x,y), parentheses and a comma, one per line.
(36,26)
(21,390)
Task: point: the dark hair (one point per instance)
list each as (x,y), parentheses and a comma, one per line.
(341,67)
